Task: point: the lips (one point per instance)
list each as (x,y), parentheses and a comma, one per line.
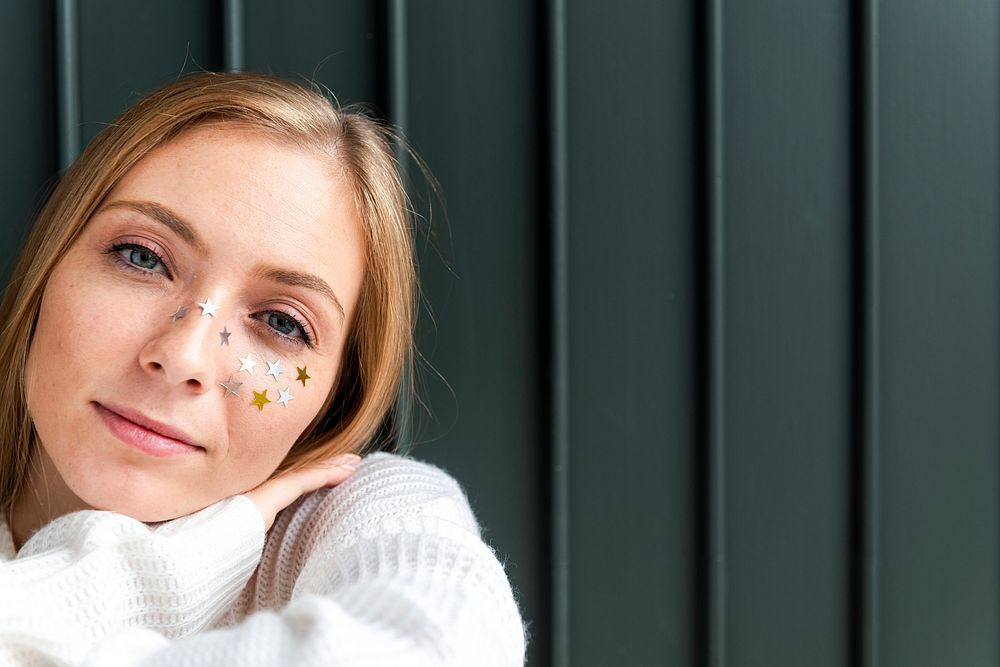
(159,428)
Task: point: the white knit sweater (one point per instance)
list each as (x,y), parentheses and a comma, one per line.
(388,568)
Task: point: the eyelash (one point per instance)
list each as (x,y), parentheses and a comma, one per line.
(115,251)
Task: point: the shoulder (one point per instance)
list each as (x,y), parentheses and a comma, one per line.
(398,541)
(389,492)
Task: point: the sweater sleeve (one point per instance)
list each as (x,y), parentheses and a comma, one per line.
(90,575)
(391,570)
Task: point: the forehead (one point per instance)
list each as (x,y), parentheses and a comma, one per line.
(229,172)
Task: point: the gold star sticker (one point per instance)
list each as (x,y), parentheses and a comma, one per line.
(302,375)
(260,399)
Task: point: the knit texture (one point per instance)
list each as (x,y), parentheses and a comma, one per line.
(387,568)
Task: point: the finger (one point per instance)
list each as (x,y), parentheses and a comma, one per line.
(327,473)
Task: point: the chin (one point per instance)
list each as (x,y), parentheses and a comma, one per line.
(144,503)
(142,510)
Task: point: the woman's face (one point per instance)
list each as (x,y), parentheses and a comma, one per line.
(130,347)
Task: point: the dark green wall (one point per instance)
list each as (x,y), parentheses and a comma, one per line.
(713,310)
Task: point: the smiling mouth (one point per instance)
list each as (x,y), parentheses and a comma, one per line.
(144,434)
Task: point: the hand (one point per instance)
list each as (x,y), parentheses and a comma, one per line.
(278,493)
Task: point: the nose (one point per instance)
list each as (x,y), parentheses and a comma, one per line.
(181,352)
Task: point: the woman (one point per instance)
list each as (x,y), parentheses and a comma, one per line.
(209,323)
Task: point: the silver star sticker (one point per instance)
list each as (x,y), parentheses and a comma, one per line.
(179,313)
(208,308)
(247,363)
(224,336)
(274,368)
(286,396)
(232,386)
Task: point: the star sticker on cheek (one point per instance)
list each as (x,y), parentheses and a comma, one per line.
(232,386)
(286,395)
(224,336)
(179,313)
(274,368)
(247,363)
(260,399)
(302,375)
(208,308)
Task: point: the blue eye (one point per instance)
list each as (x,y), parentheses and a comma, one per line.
(143,258)
(138,257)
(287,326)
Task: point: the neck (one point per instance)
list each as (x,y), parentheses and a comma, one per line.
(44,498)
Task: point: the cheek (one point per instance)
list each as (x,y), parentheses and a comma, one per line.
(259,439)
(80,330)
(67,353)
(61,346)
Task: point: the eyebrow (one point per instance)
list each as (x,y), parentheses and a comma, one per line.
(165,216)
(300,279)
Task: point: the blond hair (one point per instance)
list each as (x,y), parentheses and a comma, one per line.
(358,414)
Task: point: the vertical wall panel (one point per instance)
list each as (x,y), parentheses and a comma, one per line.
(233,35)
(939,238)
(67,24)
(398,78)
(340,44)
(632,303)
(868,317)
(559,336)
(787,335)
(475,116)
(27,140)
(713,512)
(129,48)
